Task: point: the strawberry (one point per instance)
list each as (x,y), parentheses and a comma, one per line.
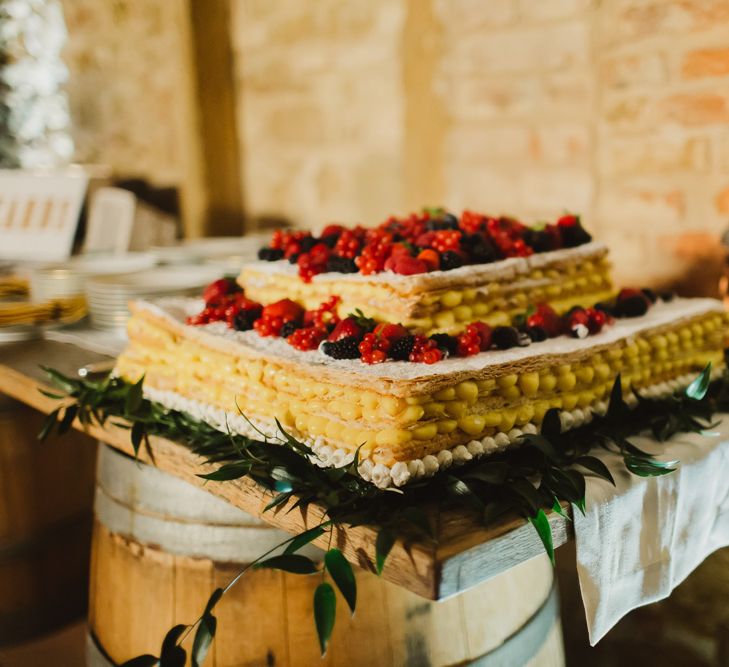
(545,317)
(286,309)
(431,259)
(390,331)
(578,322)
(408,266)
(345,328)
(483,331)
(218,289)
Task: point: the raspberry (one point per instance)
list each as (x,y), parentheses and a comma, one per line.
(446,342)
(344,348)
(506,234)
(447,239)
(400,350)
(289,327)
(425,351)
(218,290)
(374,348)
(307,338)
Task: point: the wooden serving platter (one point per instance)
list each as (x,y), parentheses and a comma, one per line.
(464,554)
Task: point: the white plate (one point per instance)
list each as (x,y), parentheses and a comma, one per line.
(104,264)
(154,281)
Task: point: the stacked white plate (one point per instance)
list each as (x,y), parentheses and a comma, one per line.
(108,296)
(56,281)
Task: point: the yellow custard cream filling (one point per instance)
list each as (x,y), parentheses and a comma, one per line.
(582,282)
(395,429)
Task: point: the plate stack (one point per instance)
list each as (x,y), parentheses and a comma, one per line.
(108,296)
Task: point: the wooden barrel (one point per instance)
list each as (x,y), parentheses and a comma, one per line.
(161,546)
(46,497)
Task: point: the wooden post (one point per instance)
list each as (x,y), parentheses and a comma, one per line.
(212,199)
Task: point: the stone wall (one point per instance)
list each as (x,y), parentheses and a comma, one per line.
(616,109)
(128,65)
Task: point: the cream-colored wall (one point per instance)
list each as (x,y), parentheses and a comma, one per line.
(616,109)
(352,110)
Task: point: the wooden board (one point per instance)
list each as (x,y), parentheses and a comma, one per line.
(465,554)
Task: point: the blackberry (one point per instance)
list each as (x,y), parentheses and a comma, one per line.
(294,258)
(244,320)
(667,296)
(341,265)
(344,348)
(605,307)
(308,242)
(479,249)
(537,334)
(505,337)
(446,342)
(574,235)
(649,294)
(538,240)
(289,327)
(270,254)
(330,240)
(450,260)
(400,350)
(633,306)
(447,221)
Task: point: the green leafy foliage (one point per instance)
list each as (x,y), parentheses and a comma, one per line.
(294,563)
(544,530)
(548,469)
(341,572)
(385,541)
(698,388)
(325,610)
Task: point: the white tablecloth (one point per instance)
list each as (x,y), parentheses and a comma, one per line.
(640,540)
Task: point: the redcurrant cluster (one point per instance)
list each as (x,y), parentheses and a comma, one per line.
(425,351)
(476,338)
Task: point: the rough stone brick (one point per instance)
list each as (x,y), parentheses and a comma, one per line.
(547,10)
(553,190)
(561,143)
(634,69)
(478,142)
(667,151)
(722,201)
(705,62)
(695,109)
(463,15)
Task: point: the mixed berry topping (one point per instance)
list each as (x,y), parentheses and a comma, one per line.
(433,240)
(359,337)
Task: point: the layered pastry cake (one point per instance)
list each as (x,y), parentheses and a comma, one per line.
(342,374)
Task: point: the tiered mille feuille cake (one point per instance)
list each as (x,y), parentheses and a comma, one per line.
(425,341)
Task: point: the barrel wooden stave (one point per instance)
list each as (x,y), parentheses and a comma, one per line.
(139,591)
(46,492)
